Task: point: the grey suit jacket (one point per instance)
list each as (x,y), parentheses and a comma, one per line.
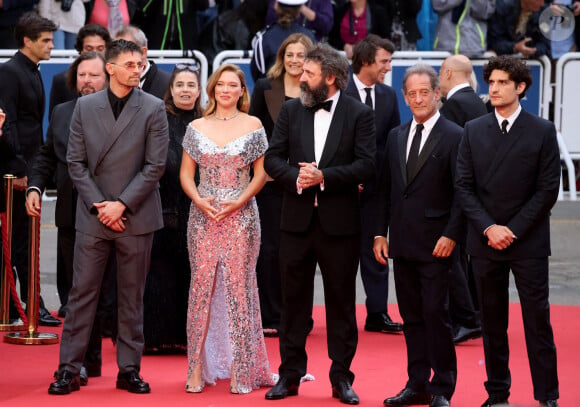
(119,159)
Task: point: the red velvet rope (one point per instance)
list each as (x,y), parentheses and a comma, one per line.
(8,262)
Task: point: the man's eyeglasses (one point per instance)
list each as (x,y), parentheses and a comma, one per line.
(130,66)
(192,67)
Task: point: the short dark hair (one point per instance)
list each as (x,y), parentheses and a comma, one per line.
(71,72)
(119,47)
(331,63)
(31,25)
(90,30)
(516,69)
(365,51)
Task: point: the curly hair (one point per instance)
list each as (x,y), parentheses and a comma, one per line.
(331,63)
(516,69)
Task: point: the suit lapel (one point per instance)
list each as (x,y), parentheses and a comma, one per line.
(334,132)
(402,150)
(507,142)
(351,89)
(126,116)
(274,98)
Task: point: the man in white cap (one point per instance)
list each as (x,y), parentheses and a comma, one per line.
(266,42)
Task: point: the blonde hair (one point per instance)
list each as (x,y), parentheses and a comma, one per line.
(277,70)
(244,100)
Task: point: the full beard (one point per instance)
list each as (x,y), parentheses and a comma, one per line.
(312,96)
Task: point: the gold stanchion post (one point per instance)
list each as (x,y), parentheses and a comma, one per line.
(32,337)
(5,323)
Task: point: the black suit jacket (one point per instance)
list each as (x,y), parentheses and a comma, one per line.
(267,99)
(156,81)
(463,106)
(59,92)
(386,119)
(51,161)
(23,97)
(513,183)
(418,211)
(347,160)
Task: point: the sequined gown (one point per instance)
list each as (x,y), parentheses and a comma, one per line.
(223,259)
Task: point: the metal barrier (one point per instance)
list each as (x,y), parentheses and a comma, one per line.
(566,117)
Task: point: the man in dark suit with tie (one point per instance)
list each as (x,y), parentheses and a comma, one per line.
(508,174)
(371,60)
(153,80)
(418,209)
(86,76)
(116,155)
(461,105)
(22,92)
(322,148)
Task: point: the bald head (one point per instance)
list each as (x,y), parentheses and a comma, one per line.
(454,71)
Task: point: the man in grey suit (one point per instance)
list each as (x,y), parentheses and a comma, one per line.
(116,156)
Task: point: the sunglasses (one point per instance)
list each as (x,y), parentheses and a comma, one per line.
(192,67)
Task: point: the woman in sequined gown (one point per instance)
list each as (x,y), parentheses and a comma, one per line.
(224,331)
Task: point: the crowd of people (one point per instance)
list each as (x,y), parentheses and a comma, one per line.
(190,227)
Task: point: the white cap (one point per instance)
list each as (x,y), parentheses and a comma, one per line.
(292,2)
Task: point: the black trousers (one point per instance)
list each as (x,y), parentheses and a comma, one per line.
(422,292)
(337,257)
(531,279)
(269,202)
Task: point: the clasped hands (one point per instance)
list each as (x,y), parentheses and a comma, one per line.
(111,214)
(499,237)
(226,208)
(309,175)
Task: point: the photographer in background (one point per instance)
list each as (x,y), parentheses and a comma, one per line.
(513,29)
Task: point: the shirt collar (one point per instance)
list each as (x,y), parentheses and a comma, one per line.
(510,119)
(359,84)
(428,124)
(456,88)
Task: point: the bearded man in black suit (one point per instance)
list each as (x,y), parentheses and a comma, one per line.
(508,176)
(417,206)
(322,148)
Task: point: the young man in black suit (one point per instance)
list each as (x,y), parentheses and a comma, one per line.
(22,92)
(461,105)
(322,148)
(371,60)
(416,204)
(508,174)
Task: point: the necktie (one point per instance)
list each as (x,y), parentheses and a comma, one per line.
(504,125)
(414,151)
(368,99)
(115,18)
(324,105)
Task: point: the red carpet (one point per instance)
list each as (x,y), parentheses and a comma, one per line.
(379,365)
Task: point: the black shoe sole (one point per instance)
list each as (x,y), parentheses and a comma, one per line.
(336,395)
(62,391)
(125,386)
(383,331)
(289,393)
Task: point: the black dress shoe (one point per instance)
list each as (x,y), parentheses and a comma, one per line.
(61,312)
(464,334)
(132,382)
(408,397)
(83,376)
(439,401)
(495,401)
(549,403)
(381,322)
(66,382)
(282,389)
(45,319)
(343,391)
